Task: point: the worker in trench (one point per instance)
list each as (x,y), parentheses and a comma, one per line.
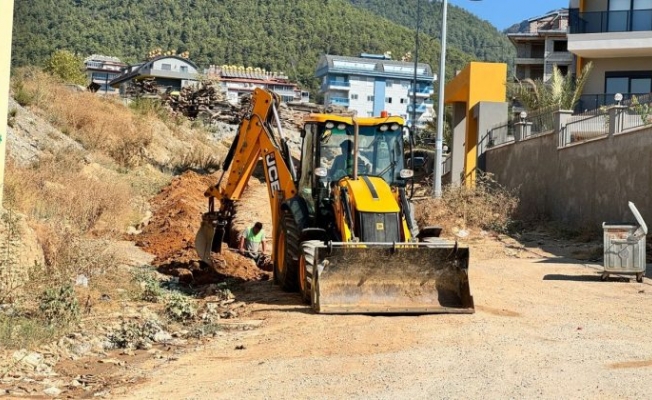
(251,244)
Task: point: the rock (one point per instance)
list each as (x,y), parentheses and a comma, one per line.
(145,345)
(133,231)
(81,349)
(162,337)
(110,361)
(52,391)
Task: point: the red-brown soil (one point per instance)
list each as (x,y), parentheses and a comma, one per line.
(170,235)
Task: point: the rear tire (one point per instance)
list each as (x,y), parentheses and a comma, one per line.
(639,277)
(286,254)
(306,269)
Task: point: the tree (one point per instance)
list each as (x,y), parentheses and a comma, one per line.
(66,66)
(560,91)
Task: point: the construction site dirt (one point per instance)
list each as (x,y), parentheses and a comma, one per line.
(545,326)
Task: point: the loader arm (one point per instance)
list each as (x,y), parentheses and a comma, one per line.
(253,141)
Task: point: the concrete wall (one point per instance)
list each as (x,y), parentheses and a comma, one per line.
(595,82)
(583,184)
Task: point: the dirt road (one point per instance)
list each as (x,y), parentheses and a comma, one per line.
(543,328)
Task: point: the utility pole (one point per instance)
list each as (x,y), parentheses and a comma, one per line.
(436,192)
(6,23)
(414,81)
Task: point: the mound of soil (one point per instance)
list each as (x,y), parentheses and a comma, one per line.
(170,235)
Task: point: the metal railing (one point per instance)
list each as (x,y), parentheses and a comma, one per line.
(582,127)
(637,114)
(499,134)
(594,101)
(339,83)
(543,121)
(446,165)
(610,21)
(344,101)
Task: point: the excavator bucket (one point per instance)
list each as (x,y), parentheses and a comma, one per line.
(210,236)
(406,278)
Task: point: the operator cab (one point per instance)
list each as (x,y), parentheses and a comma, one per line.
(328,148)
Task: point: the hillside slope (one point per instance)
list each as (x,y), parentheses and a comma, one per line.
(285,35)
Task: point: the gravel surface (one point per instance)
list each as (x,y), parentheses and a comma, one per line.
(543,328)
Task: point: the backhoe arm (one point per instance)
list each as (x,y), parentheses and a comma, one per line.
(253,141)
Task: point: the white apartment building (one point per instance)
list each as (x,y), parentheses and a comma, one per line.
(371,83)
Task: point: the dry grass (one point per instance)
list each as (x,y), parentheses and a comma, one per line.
(95,122)
(488,206)
(57,189)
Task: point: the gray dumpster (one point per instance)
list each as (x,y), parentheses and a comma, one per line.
(624,247)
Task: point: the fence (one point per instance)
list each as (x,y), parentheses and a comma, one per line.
(583,127)
(498,135)
(543,121)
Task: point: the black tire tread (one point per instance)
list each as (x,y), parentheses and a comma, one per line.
(290,280)
(308,251)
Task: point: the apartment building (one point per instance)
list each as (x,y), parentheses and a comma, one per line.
(100,71)
(238,80)
(373,83)
(616,36)
(540,44)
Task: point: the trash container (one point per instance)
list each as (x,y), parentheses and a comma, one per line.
(624,247)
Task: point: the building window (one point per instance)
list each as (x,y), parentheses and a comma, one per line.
(637,82)
(563,69)
(388,100)
(166,67)
(403,101)
(370,98)
(354,97)
(184,69)
(370,113)
(560,45)
(389,83)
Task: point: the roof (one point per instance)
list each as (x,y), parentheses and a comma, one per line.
(560,11)
(137,71)
(363,121)
(261,81)
(380,66)
(99,57)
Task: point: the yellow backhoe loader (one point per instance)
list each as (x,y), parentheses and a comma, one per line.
(343,231)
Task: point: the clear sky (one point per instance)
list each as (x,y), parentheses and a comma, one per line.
(504,13)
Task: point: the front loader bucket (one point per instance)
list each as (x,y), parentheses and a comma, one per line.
(406,278)
(209,237)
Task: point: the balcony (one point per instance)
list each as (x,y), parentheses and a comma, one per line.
(610,33)
(340,101)
(421,108)
(336,85)
(610,21)
(422,92)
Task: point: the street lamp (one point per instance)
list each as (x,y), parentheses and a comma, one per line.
(440,107)
(416,62)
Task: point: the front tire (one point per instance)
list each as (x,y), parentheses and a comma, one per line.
(286,254)
(306,269)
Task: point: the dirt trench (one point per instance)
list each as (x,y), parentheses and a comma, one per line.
(176,217)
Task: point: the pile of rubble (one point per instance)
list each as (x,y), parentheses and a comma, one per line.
(140,88)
